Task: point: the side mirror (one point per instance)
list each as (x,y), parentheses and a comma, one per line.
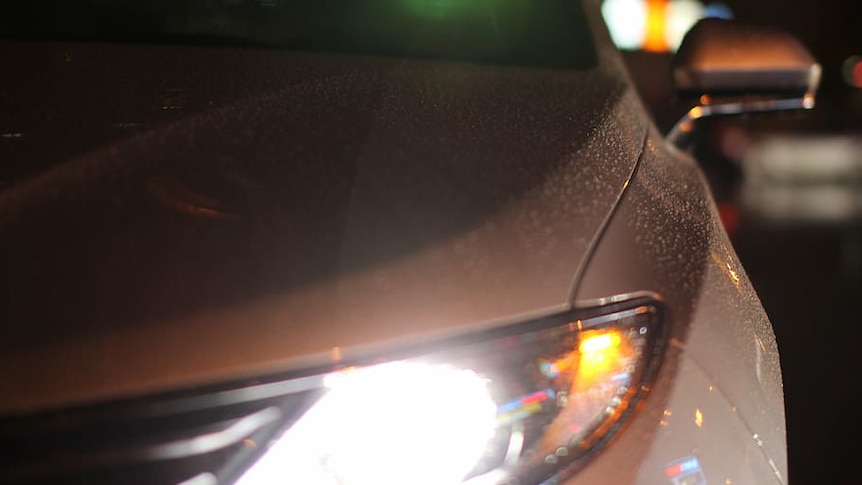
(732,68)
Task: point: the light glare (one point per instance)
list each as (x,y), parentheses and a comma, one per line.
(381,424)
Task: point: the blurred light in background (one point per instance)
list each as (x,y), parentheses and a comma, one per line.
(718,10)
(656,25)
(626,20)
(798,159)
(851,70)
(804,179)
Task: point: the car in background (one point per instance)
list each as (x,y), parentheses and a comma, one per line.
(362,242)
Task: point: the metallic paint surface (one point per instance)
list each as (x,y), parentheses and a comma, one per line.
(254,230)
(723,360)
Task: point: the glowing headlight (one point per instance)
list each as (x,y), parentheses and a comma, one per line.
(380,424)
(518,408)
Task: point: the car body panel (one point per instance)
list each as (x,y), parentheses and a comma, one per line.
(256,232)
(666,235)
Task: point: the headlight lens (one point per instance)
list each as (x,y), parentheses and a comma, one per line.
(517,408)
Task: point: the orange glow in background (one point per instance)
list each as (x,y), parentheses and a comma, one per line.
(656,25)
(655,40)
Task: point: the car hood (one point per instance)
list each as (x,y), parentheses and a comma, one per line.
(174,216)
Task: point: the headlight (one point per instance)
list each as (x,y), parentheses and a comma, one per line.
(519,407)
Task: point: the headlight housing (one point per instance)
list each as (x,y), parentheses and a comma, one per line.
(520,407)
(525,404)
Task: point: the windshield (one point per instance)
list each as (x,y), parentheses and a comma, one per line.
(546,33)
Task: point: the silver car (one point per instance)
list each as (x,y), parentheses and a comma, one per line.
(358,242)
